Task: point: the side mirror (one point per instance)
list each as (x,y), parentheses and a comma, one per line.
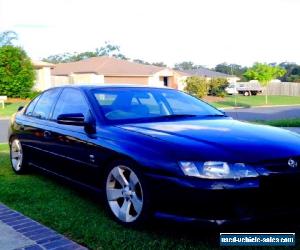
(20,108)
(76,119)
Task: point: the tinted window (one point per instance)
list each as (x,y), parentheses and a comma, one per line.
(180,104)
(140,103)
(70,101)
(30,107)
(45,103)
(146,100)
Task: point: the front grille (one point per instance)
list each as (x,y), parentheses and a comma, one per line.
(281,182)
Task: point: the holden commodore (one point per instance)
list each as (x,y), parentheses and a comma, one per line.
(158,152)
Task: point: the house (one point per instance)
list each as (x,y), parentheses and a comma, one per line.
(205,73)
(42,75)
(109,70)
(209,74)
(100,70)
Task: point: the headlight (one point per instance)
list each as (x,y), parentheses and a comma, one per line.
(217,170)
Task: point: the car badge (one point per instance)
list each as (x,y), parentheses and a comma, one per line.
(292,163)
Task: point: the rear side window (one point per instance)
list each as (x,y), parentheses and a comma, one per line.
(30,108)
(45,103)
(70,101)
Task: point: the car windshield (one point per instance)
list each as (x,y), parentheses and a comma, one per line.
(119,104)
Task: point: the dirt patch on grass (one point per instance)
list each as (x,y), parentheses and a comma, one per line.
(212,99)
(15,100)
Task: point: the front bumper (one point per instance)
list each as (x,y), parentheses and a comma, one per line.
(219,202)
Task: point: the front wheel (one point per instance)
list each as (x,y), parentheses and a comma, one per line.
(126,194)
(17,159)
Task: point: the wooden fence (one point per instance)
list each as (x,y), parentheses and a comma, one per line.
(284,88)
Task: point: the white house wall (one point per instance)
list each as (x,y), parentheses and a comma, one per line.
(157,78)
(155,81)
(60,80)
(43,79)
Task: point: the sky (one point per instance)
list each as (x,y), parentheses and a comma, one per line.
(206,32)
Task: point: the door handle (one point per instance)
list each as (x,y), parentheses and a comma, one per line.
(47,134)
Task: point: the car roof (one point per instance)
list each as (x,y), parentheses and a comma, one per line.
(100,86)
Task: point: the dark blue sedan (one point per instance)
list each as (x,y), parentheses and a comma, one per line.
(158,151)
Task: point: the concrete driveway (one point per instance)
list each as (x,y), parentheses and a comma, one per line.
(264,113)
(3,130)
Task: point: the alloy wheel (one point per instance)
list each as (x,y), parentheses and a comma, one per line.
(124,193)
(16,155)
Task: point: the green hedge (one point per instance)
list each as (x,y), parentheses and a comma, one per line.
(16,72)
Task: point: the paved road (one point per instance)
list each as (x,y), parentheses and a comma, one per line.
(3,130)
(296,130)
(266,113)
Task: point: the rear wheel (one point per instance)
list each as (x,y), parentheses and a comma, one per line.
(246,93)
(126,194)
(18,162)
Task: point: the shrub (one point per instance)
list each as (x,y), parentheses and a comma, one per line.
(197,86)
(217,86)
(16,72)
(33,94)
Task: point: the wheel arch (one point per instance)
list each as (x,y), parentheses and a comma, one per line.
(116,156)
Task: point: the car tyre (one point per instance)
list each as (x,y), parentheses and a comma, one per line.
(17,157)
(126,194)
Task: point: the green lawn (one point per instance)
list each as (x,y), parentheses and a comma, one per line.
(259,100)
(80,215)
(282,123)
(10,108)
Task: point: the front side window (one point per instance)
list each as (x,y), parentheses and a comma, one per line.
(70,101)
(31,106)
(143,103)
(45,103)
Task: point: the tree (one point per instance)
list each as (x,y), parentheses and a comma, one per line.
(141,61)
(186,65)
(217,86)
(159,64)
(197,86)
(7,37)
(264,73)
(292,72)
(106,50)
(231,69)
(16,72)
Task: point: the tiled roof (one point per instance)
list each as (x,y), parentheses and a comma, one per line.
(105,65)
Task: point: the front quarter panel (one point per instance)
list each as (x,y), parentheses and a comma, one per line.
(153,155)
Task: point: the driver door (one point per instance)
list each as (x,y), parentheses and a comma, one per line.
(72,153)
